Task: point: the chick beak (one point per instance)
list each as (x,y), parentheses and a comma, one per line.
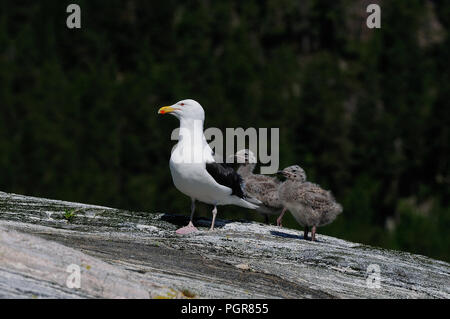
(280,175)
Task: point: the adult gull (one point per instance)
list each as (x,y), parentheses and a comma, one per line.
(194,171)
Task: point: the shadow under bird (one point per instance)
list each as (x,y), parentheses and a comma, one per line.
(194,171)
(311,205)
(262,187)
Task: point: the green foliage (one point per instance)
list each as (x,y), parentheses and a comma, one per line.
(365,112)
(69,215)
(423,228)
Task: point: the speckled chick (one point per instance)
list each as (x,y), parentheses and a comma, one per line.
(310,205)
(262,187)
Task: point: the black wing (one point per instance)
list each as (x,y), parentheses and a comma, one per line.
(226,176)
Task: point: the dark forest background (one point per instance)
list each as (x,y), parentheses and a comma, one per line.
(364,111)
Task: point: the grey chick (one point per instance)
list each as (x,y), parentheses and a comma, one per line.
(262,187)
(310,205)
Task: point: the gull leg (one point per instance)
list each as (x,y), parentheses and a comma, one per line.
(280,218)
(192,210)
(190,228)
(313,233)
(266,219)
(305,233)
(214,212)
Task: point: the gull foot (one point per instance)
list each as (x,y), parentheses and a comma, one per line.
(190,228)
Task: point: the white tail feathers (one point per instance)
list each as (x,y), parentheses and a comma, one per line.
(242,202)
(253,200)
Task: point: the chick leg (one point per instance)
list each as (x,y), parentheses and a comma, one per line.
(305,233)
(280,218)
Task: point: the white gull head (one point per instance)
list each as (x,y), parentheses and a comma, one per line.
(185,110)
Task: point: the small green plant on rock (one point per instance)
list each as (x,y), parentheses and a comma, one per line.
(69,215)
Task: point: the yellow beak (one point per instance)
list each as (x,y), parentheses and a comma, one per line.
(166,109)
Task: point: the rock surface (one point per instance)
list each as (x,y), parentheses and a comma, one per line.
(124,254)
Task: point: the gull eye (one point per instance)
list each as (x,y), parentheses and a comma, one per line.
(181,104)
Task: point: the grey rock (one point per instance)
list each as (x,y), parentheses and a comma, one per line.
(125,254)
